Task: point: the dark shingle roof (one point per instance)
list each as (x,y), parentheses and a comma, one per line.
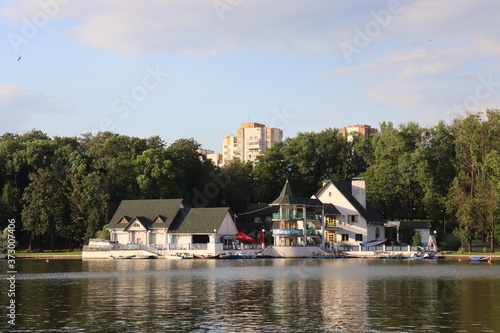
(146,211)
(417,224)
(287,197)
(261,211)
(200,220)
(331,209)
(369,213)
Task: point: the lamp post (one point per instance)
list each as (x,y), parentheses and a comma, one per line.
(263,240)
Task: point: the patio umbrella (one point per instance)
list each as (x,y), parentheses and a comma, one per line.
(241,236)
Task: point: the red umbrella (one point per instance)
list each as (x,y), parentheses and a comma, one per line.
(241,236)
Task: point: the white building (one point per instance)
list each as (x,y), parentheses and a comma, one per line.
(251,140)
(167,224)
(358,222)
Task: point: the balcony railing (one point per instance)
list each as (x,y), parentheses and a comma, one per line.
(331,224)
(294,216)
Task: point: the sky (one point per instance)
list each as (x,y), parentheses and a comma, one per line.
(199,68)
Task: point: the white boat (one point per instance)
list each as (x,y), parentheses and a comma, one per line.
(174,257)
(374,243)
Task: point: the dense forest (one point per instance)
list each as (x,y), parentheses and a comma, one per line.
(61,191)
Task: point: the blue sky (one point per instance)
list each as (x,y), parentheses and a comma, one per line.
(199,68)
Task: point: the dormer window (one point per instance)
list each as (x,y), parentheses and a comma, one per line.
(136,225)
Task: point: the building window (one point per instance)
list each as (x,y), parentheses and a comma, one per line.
(377,233)
(330,194)
(136,225)
(331,238)
(359,237)
(352,218)
(345,237)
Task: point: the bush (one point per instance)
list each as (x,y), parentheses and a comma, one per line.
(450,243)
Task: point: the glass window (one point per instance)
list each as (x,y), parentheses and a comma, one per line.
(345,237)
(359,237)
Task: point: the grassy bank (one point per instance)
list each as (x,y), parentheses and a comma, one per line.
(50,253)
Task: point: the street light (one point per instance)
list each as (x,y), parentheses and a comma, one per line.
(263,241)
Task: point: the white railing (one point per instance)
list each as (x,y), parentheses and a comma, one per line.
(351,227)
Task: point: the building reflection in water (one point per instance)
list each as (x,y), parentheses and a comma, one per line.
(284,295)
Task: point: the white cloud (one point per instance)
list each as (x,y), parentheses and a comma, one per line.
(19,106)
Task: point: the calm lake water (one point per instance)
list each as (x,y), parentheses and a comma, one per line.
(261,295)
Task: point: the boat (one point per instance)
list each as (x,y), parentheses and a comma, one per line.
(427,254)
(145,257)
(174,257)
(203,256)
(377,242)
(120,257)
(477,259)
(237,255)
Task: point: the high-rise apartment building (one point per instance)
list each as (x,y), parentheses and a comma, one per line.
(250,141)
(364,130)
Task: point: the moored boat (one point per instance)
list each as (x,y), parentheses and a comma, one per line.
(378,242)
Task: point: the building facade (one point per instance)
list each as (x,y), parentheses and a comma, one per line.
(364,130)
(358,221)
(169,225)
(213,156)
(251,140)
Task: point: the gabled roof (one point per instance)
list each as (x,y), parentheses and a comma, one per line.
(199,220)
(146,211)
(370,214)
(144,221)
(287,198)
(330,209)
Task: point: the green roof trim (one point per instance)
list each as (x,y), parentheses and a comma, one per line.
(358,178)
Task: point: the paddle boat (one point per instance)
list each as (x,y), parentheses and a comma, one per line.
(479,259)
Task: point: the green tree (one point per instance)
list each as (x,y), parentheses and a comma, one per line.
(417,239)
(103,233)
(44,205)
(237,189)
(157,174)
(197,171)
(475,194)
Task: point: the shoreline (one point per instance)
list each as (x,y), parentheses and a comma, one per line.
(79,257)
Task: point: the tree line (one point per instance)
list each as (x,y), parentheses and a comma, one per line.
(63,190)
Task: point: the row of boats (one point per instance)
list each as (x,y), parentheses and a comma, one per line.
(180,256)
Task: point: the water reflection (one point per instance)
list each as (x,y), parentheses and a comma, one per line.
(285,295)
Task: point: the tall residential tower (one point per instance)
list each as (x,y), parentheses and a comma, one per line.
(250,141)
